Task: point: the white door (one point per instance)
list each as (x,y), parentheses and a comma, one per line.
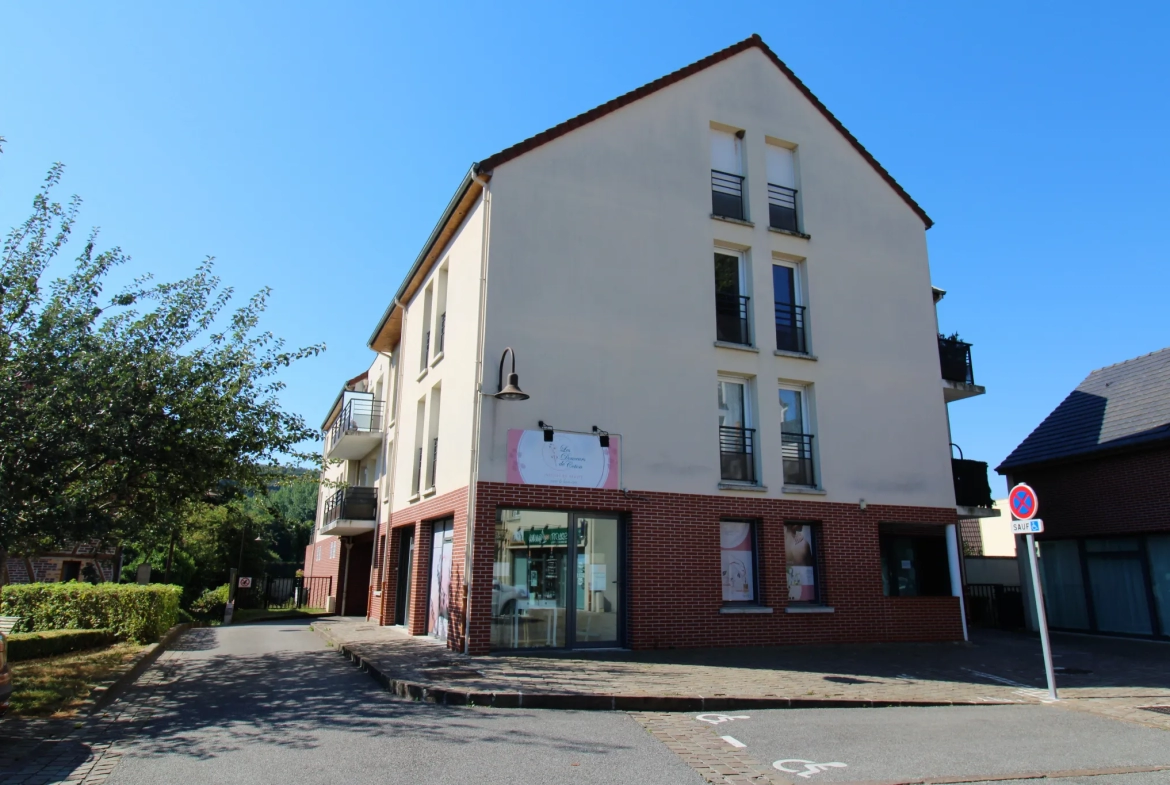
(438,610)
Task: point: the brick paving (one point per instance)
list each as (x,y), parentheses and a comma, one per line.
(84,751)
(1111,677)
(703,750)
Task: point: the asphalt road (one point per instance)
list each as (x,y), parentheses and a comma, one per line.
(269,703)
(961,741)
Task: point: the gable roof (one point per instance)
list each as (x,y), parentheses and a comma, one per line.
(1117,406)
(557,131)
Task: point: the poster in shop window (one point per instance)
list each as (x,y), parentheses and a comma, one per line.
(798,548)
(735,543)
(576,460)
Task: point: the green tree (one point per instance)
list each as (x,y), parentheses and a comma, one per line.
(118,413)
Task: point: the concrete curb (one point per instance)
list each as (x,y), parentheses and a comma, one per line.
(103,696)
(429,693)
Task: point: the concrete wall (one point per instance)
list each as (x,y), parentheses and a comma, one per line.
(453,372)
(602,279)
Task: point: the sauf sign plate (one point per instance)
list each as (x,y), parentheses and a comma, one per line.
(576,460)
(1034,526)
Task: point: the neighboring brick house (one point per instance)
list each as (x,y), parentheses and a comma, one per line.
(69,564)
(1100,466)
(738,431)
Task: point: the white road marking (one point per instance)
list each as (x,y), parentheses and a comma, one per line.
(1027,691)
(810,768)
(733,742)
(715,719)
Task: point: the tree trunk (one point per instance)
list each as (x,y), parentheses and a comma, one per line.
(170,558)
(3,566)
(28,565)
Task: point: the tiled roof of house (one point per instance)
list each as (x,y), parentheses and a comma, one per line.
(598,112)
(1116,406)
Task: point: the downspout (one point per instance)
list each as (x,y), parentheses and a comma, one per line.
(477,411)
(392,466)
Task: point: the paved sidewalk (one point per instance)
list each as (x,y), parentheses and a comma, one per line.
(1113,677)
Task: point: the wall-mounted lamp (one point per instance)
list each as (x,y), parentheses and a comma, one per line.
(861,504)
(602,436)
(510,391)
(740,134)
(548,430)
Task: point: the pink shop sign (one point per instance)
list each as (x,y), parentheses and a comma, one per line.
(576,460)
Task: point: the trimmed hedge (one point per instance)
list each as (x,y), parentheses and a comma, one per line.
(34,645)
(129,611)
(211,603)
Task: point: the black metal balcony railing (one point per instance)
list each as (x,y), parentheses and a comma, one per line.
(426,350)
(442,333)
(731,319)
(737,459)
(798,459)
(971,486)
(782,208)
(727,195)
(414,485)
(359,415)
(351,504)
(790,335)
(955,358)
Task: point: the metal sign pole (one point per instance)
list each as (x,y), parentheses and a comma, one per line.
(1041,618)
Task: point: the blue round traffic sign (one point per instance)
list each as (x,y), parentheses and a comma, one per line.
(1022,500)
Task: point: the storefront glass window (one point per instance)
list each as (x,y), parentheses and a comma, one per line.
(801,558)
(530,580)
(1159,548)
(737,551)
(1064,586)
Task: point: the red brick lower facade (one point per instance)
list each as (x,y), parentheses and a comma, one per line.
(673,586)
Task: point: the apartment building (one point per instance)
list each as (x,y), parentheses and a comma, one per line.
(668,374)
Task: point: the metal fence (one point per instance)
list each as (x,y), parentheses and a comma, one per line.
(995,605)
(271,593)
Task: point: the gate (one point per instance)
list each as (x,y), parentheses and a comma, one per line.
(285,593)
(995,605)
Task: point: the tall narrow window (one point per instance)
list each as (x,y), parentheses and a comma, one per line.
(790,321)
(736,436)
(440,329)
(419,425)
(425,356)
(781,188)
(433,437)
(737,555)
(796,441)
(732,311)
(727,180)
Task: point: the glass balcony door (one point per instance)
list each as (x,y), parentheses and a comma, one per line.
(599,580)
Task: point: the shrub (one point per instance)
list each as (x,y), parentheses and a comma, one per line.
(34,645)
(130,611)
(211,603)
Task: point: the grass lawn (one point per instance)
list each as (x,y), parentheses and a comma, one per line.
(57,686)
(259,614)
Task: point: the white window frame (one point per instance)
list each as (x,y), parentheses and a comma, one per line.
(746,381)
(806,426)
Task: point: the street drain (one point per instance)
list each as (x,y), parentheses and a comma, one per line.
(1157,709)
(1072,671)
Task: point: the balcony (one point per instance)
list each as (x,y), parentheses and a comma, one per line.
(356,431)
(737,460)
(972,492)
(731,319)
(798,459)
(790,333)
(727,195)
(958,376)
(350,512)
(782,208)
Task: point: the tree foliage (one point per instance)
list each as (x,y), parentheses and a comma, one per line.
(120,413)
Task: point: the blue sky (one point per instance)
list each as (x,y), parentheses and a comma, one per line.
(311,147)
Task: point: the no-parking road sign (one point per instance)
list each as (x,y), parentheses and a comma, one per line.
(1022,500)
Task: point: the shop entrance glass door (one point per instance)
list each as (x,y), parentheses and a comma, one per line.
(439,605)
(598,580)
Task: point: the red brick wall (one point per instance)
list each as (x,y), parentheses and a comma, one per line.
(675,586)
(420,516)
(1119,494)
(326,567)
